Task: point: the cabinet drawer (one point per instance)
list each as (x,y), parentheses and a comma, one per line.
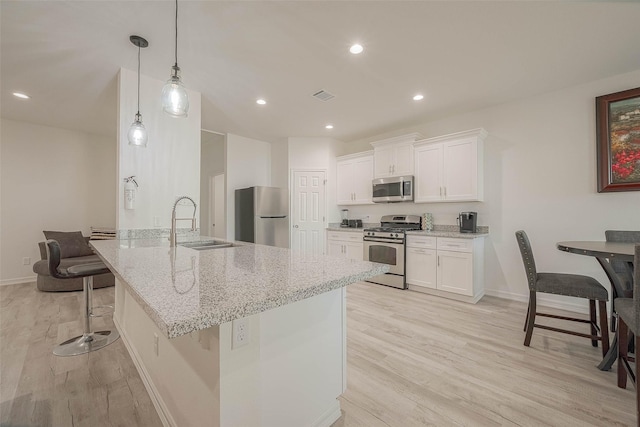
(455,245)
(421,242)
(344,236)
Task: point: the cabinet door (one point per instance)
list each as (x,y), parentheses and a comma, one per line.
(355,251)
(335,248)
(403,164)
(428,173)
(460,178)
(344,182)
(421,267)
(361,179)
(383,159)
(455,272)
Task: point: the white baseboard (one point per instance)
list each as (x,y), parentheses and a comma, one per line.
(18,280)
(165,417)
(542,300)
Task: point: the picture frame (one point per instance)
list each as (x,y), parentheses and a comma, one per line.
(618,141)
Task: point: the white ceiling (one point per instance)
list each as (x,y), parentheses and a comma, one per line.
(461,55)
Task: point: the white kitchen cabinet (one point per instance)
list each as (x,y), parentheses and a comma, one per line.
(450,168)
(421,261)
(354,174)
(447,267)
(394,156)
(347,244)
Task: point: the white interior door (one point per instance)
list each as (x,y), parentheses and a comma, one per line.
(308,207)
(218,224)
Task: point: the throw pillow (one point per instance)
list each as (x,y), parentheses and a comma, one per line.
(72,243)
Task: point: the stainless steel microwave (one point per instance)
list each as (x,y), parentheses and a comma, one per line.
(393,189)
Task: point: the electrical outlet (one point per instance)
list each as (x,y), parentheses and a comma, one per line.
(240,333)
(155,344)
(156,221)
(26,261)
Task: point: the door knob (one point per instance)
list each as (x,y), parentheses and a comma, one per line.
(295,226)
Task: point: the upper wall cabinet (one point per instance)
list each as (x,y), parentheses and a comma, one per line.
(354,175)
(394,156)
(449,168)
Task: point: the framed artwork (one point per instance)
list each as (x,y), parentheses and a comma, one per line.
(618,141)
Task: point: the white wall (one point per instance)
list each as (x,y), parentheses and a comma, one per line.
(540,175)
(52,179)
(248,164)
(280,164)
(170,164)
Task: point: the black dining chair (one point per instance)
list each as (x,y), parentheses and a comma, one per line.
(622,271)
(571,285)
(629,321)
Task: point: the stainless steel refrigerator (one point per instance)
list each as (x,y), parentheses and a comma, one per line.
(262,216)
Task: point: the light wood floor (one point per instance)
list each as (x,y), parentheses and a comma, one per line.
(413,360)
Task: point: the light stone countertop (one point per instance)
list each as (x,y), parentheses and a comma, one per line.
(345,229)
(185,290)
(453,234)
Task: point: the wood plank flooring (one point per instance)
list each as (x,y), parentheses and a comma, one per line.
(413,360)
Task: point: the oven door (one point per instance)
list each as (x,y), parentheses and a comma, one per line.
(386,253)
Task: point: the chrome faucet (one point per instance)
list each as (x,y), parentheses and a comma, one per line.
(172,236)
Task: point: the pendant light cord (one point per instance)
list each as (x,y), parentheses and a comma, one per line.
(138,80)
(176,52)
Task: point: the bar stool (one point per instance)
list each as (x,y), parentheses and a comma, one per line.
(89,340)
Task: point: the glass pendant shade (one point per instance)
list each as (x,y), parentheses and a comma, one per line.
(175,100)
(137,134)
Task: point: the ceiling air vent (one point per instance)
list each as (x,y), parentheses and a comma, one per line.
(323,95)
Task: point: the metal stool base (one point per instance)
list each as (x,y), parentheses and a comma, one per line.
(86,343)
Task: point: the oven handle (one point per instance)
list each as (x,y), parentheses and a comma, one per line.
(383,240)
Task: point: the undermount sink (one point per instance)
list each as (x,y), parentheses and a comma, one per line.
(203,246)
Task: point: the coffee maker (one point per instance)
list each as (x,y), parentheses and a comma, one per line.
(468,222)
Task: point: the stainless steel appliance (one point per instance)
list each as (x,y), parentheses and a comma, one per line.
(262,216)
(386,245)
(468,222)
(394,189)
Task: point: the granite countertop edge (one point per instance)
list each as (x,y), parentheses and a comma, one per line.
(177,327)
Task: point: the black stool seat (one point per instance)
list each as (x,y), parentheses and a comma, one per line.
(89,340)
(83,270)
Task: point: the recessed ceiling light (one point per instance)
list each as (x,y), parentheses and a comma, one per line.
(418,97)
(356,49)
(261,101)
(21,95)
(328,127)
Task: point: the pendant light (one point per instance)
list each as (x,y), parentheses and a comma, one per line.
(137,133)
(175,100)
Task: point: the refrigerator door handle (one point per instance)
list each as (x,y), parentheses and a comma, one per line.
(281,216)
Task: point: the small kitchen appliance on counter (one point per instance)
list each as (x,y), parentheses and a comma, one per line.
(468,222)
(355,223)
(344,213)
(386,245)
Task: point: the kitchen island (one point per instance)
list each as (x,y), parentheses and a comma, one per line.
(248,335)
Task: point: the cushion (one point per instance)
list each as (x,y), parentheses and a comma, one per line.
(72,243)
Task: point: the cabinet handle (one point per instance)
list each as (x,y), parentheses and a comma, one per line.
(445,192)
(440,191)
(438,260)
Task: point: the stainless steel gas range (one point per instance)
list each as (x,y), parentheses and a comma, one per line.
(386,245)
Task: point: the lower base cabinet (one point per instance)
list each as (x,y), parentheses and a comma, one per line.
(347,244)
(447,267)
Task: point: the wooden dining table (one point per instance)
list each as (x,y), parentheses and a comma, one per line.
(604,253)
